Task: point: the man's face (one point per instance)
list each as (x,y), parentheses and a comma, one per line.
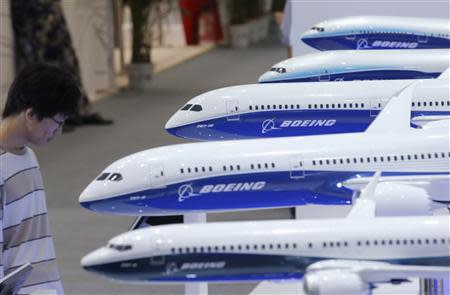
(40,132)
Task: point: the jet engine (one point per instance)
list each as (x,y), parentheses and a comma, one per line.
(404,200)
(335,282)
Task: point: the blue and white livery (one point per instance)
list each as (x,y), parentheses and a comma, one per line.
(350,257)
(347,65)
(379,32)
(280,172)
(299,109)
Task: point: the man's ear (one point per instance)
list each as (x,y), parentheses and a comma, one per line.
(30,114)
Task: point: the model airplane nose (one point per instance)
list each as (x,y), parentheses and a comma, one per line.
(175,126)
(173,122)
(96,259)
(91,193)
(308,34)
(268,77)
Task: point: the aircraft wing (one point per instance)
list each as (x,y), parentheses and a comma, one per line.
(430,121)
(389,272)
(444,74)
(364,206)
(415,195)
(358,183)
(372,272)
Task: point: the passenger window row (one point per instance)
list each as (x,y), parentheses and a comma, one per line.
(261,166)
(375,159)
(274,107)
(397,33)
(310,245)
(399,242)
(340,105)
(195,169)
(237,167)
(337,105)
(240,247)
(430,103)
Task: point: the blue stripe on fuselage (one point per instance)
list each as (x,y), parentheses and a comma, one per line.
(350,76)
(282,123)
(261,190)
(375,41)
(228,267)
(278,123)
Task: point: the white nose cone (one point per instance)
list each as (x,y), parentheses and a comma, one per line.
(309,34)
(268,76)
(97,257)
(173,121)
(93,192)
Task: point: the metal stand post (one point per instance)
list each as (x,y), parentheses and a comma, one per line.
(195,288)
(434,287)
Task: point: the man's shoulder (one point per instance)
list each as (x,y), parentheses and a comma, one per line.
(12,164)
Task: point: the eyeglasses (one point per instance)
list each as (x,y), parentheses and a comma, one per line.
(60,123)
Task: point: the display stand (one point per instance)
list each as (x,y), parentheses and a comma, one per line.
(195,288)
(434,287)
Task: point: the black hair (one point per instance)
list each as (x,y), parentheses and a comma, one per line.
(46,89)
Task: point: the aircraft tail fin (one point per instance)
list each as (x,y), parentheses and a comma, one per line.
(396,115)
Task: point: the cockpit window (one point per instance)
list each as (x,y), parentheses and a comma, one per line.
(196,108)
(110,176)
(318,29)
(120,248)
(103,176)
(186,107)
(280,70)
(192,107)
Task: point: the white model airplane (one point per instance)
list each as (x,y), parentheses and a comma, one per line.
(346,65)
(283,172)
(335,256)
(299,109)
(379,32)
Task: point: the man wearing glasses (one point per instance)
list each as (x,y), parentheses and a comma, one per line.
(39,100)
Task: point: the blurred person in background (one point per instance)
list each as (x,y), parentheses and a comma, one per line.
(283,18)
(42,35)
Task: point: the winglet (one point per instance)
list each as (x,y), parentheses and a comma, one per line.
(396,115)
(364,206)
(444,75)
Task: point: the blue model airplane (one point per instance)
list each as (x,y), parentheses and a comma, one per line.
(379,32)
(348,65)
(350,257)
(299,109)
(279,172)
